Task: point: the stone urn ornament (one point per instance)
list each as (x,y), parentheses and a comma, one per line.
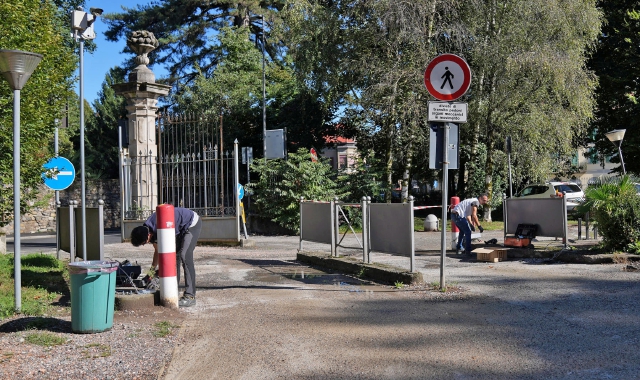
(142,42)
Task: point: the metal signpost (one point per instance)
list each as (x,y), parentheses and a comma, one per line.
(447,78)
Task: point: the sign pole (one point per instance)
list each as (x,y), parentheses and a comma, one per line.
(445,181)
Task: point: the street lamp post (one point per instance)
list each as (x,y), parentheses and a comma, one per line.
(82,27)
(616,136)
(16,66)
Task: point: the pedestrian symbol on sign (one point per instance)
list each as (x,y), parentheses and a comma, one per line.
(447,78)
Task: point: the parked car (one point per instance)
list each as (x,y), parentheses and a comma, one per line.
(570,190)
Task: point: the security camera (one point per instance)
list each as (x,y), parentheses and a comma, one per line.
(96,11)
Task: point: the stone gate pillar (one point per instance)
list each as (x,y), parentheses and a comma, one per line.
(141,94)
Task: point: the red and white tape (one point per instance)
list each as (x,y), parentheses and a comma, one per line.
(165,219)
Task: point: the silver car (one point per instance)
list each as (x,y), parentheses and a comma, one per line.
(571,191)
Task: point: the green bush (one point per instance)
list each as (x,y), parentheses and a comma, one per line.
(282,182)
(615,207)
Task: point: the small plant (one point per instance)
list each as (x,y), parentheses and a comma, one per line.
(399,284)
(163,329)
(97,350)
(360,273)
(45,339)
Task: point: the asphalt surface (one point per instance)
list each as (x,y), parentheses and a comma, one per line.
(260,314)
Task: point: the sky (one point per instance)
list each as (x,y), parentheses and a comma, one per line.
(108,54)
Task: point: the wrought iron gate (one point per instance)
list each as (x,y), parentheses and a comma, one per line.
(194,169)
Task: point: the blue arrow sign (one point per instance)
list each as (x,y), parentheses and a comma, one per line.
(59,173)
(240,191)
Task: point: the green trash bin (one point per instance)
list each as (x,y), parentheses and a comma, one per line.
(93,293)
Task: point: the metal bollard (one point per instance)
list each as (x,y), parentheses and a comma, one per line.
(586,225)
(579,228)
(595,232)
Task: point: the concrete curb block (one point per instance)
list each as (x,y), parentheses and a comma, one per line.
(374,272)
(133,302)
(572,256)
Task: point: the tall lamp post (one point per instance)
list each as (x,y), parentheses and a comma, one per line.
(82,27)
(616,136)
(16,67)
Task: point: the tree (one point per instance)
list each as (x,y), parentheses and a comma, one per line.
(184,30)
(531,83)
(101,135)
(35,26)
(281,183)
(616,63)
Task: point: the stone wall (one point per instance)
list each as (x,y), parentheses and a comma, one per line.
(42,216)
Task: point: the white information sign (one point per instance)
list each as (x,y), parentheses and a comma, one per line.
(447,111)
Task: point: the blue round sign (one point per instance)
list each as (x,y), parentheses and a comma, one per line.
(59,173)
(240,192)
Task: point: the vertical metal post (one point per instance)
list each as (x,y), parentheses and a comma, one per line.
(445,180)
(101,227)
(57,193)
(586,226)
(365,230)
(368,222)
(579,228)
(72,231)
(336,215)
(509,158)
(505,216)
(17,273)
(82,168)
(58,229)
(413,240)
(301,216)
(564,222)
(264,98)
(236,177)
(122,189)
(333,230)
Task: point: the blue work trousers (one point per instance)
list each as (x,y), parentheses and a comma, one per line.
(465,232)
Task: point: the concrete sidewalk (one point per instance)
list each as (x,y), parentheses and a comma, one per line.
(260,314)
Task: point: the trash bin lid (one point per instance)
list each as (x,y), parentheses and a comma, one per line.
(93,266)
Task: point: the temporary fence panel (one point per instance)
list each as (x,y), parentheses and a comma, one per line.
(550,214)
(316,222)
(391,229)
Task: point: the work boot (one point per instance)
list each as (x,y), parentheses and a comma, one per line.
(187,301)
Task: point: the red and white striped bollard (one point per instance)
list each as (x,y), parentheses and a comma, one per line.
(165,219)
(454,229)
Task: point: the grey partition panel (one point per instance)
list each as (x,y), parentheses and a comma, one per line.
(94,229)
(548,213)
(315,222)
(64,239)
(391,228)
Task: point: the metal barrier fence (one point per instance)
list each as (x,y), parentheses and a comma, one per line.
(320,223)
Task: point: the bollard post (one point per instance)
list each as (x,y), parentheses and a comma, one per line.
(595,232)
(72,231)
(101,227)
(167,255)
(586,226)
(579,228)
(365,228)
(454,228)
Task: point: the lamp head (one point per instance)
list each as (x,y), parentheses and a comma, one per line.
(616,135)
(96,11)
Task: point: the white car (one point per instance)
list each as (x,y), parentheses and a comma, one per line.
(571,191)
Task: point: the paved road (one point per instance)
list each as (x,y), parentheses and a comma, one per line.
(262,315)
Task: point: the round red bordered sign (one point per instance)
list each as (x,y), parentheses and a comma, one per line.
(447,77)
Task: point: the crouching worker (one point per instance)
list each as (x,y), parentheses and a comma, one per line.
(465,217)
(188,226)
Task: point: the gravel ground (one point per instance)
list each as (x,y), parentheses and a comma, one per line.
(261,315)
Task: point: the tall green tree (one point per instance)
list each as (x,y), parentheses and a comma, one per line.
(101,134)
(185,28)
(616,62)
(36,26)
(531,82)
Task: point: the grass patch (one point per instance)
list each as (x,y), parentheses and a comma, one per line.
(43,278)
(45,339)
(96,350)
(163,329)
